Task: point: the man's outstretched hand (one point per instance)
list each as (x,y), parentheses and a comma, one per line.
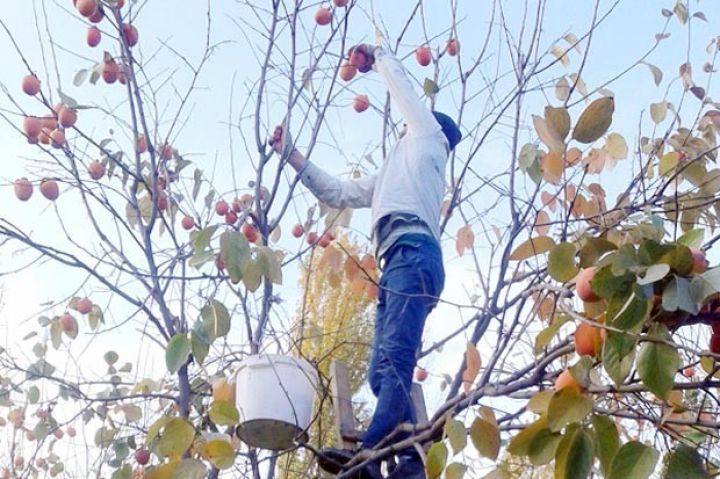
(279,138)
(362,57)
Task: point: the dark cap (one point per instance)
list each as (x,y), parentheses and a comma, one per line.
(449,128)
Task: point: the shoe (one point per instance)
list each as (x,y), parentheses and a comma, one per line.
(333,460)
(408,467)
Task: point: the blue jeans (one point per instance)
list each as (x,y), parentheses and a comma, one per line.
(411,282)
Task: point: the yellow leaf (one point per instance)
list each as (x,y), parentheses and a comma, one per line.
(472,366)
(465,239)
(485,437)
(165,471)
(220,453)
(532,247)
(558,119)
(177,436)
(552,166)
(595,120)
(436,459)
(560,54)
(616,146)
(668,162)
(546,134)
(658,111)
(562,89)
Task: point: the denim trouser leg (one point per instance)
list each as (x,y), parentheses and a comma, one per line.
(410,284)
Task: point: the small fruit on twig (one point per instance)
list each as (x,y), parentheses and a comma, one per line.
(323,16)
(221,208)
(142,456)
(347,71)
(131,34)
(250,232)
(84,306)
(453,47)
(31,85)
(421,374)
(96,170)
(188,223)
(361,103)
(32,126)
(583,285)
(298,230)
(94,36)
(423,56)
(49,189)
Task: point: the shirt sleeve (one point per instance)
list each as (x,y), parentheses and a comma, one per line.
(356,193)
(417,115)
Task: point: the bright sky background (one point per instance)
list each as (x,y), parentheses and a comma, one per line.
(625,36)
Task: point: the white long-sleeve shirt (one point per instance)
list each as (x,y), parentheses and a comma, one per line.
(412,177)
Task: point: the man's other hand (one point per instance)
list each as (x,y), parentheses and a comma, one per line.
(362,56)
(279,138)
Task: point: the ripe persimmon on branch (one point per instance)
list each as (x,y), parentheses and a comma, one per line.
(578,333)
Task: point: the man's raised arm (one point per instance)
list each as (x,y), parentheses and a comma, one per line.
(355,193)
(417,115)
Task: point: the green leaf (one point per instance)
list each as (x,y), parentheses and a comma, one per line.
(125,472)
(617,365)
(455,471)
(436,459)
(456,434)
(678,295)
(540,401)
(235,254)
(253,276)
(567,406)
(546,335)
(561,262)
(95,317)
(704,285)
(543,447)
(593,250)
(624,259)
(269,264)
(679,258)
(485,437)
(41,430)
(220,453)
(658,362)
(200,258)
(520,444)
(80,77)
(177,437)
(215,319)
(111,357)
(608,441)
(430,87)
(224,413)
(606,285)
(627,313)
(574,456)
(177,352)
(684,463)
(33,394)
(199,343)
(200,239)
(532,247)
(693,238)
(635,460)
(191,469)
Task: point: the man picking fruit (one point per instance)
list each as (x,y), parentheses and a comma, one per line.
(405,198)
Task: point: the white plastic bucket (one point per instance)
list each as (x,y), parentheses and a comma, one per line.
(274,397)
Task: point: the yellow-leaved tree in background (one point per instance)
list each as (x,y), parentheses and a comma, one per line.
(335,323)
